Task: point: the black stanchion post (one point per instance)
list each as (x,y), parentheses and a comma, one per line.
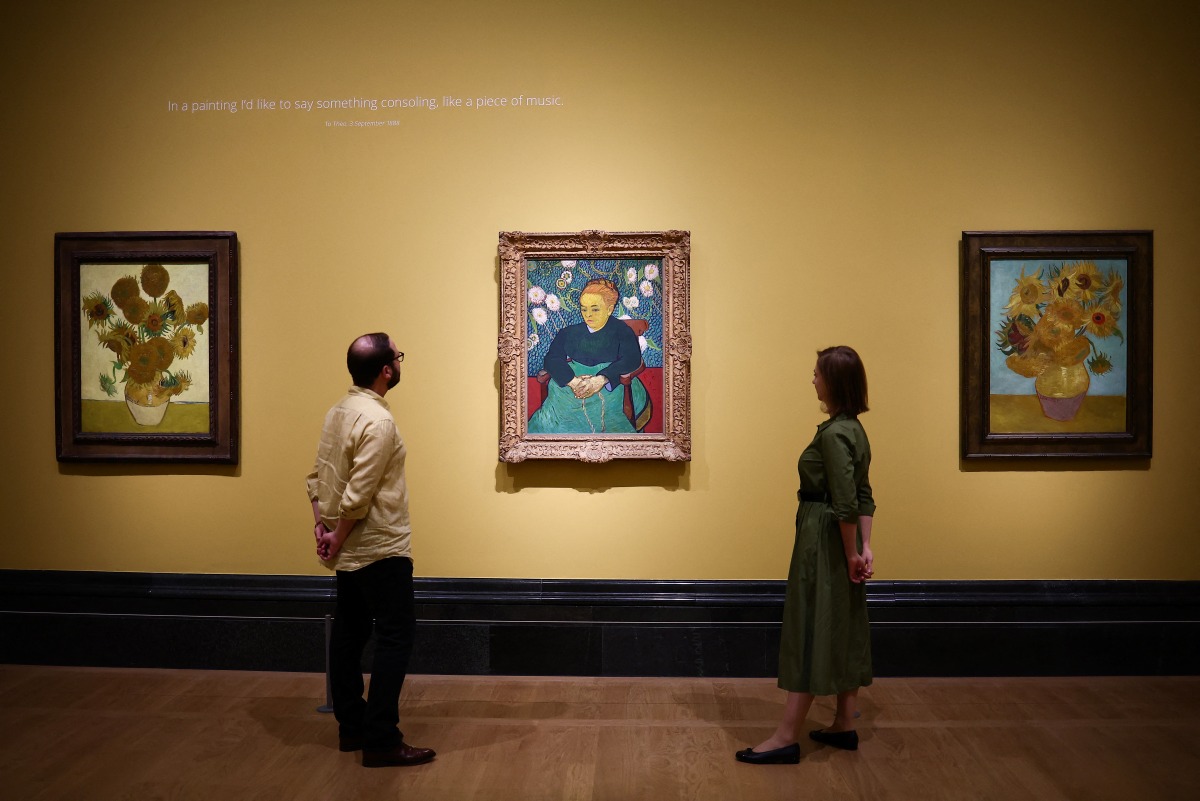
(328,705)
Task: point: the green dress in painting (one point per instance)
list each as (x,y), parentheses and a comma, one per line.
(611,351)
(825,647)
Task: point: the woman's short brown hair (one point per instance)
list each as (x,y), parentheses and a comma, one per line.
(845,379)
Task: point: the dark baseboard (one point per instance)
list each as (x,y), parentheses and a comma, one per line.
(600,628)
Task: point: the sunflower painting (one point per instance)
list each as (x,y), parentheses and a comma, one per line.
(144,360)
(1059,359)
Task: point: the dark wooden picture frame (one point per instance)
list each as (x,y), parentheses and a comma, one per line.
(153,316)
(1046,317)
(637,285)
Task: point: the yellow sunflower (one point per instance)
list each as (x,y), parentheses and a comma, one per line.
(1112,290)
(1085,281)
(197,314)
(156,321)
(1102,320)
(136,309)
(164,350)
(1061,285)
(1030,365)
(184,342)
(1059,323)
(97,309)
(1029,292)
(183,381)
(120,339)
(155,279)
(174,306)
(143,362)
(1013,336)
(1100,363)
(124,290)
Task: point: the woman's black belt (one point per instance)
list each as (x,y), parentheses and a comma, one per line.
(814,497)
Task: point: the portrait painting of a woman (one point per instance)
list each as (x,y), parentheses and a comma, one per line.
(590,371)
(594,347)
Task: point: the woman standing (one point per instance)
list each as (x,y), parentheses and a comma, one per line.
(825,647)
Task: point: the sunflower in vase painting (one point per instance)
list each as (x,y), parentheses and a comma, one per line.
(150,332)
(1053,321)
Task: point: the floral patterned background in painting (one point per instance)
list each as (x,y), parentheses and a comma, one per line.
(552,291)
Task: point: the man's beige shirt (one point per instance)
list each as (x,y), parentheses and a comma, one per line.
(359,475)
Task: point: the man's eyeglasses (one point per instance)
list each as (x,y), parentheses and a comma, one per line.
(399,357)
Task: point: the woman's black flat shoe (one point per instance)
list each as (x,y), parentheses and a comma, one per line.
(788,755)
(846,740)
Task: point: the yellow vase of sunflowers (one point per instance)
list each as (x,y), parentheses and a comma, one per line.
(146,338)
(1047,335)
(1061,389)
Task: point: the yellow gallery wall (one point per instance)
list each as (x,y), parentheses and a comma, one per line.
(825,157)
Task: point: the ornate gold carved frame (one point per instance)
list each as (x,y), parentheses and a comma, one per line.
(671,249)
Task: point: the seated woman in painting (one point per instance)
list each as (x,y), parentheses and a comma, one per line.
(586,363)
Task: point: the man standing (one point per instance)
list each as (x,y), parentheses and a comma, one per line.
(360,505)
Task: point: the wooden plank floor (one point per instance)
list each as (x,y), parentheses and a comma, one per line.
(94,733)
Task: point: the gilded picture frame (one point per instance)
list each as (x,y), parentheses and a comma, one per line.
(1057,347)
(595,346)
(146,344)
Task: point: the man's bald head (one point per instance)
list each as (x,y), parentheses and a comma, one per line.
(367,356)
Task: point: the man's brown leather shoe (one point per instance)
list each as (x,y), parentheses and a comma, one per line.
(400,756)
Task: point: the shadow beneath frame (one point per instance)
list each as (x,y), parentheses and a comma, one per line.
(148,468)
(1049,464)
(567,474)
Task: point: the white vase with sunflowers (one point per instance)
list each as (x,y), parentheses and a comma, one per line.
(147,403)
(152,331)
(1049,327)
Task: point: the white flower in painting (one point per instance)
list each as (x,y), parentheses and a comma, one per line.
(552,302)
(651,271)
(647,289)
(631,275)
(630,303)
(531,343)
(536,294)
(539,315)
(566,276)
(570,265)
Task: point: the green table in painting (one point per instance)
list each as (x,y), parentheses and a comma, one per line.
(113,417)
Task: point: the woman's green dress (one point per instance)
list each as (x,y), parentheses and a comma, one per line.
(825,647)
